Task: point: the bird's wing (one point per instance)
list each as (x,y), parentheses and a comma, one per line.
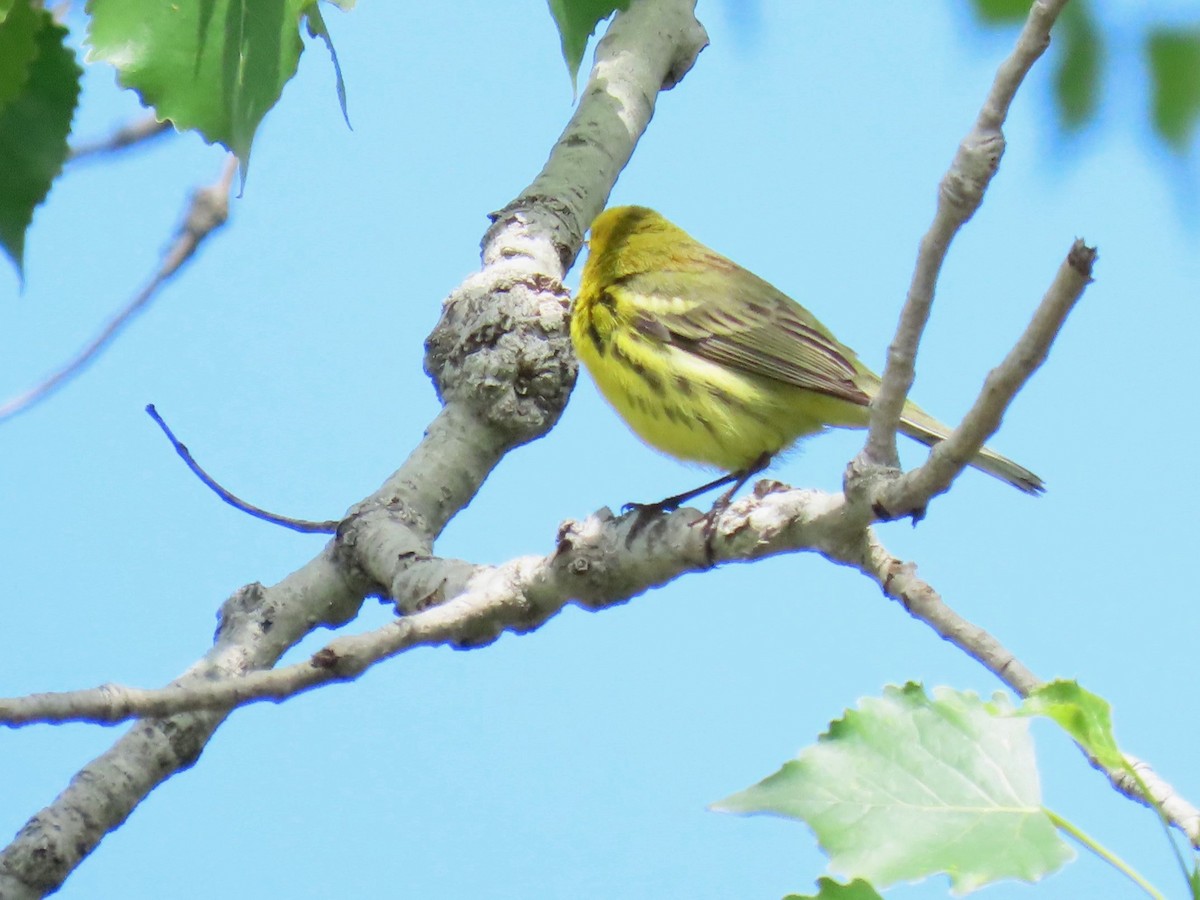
(743,322)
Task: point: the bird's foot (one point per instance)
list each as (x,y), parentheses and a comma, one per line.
(644,514)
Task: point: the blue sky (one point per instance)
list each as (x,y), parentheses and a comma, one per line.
(577,761)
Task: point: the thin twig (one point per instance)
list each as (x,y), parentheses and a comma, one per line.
(305,526)
(124,138)
(208,211)
(959,195)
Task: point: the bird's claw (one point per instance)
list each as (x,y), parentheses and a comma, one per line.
(644,514)
(662,506)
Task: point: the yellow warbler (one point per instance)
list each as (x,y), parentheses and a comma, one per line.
(709,363)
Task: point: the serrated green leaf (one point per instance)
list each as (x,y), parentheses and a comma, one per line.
(1001,11)
(18,47)
(1082,714)
(1077,78)
(828,889)
(1174,59)
(34,125)
(905,787)
(576,20)
(216,66)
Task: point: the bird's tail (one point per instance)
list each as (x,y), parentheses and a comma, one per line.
(920,426)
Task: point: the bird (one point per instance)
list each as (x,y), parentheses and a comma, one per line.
(708,363)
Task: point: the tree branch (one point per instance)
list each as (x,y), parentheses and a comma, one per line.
(959,196)
(502,366)
(127,136)
(598,563)
(206,212)
(501,361)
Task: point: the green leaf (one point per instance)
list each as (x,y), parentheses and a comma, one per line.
(216,66)
(1174,59)
(1077,78)
(18,48)
(906,787)
(317,28)
(576,20)
(34,121)
(1000,12)
(832,890)
(1082,714)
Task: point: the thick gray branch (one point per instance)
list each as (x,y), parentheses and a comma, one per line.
(256,626)
(502,364)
